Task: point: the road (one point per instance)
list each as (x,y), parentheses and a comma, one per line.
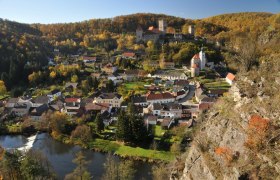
(188,97)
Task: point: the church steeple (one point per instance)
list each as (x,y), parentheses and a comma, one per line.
(202,58)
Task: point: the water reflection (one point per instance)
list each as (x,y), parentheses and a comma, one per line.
(60,156)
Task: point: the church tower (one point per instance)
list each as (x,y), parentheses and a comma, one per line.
(162,26)
(139,34)
(202,58)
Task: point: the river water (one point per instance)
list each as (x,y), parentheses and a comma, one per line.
(61,155)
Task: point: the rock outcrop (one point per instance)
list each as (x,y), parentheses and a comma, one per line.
(221,148)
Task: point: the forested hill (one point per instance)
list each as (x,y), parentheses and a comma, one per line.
(220,27)
(119,24)
(22,43)
(19,44)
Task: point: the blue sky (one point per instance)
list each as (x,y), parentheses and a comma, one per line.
(54,11)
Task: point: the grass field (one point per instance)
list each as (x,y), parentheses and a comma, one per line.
(127,151)
(217,85)
(137,87)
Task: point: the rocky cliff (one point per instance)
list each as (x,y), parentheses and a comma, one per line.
(239,138)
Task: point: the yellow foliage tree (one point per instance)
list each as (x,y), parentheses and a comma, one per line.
(3,89)
(74,78)
(53,74)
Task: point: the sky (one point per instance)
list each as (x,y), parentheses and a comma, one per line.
(58,11)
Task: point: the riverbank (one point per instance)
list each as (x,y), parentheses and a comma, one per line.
(135,153)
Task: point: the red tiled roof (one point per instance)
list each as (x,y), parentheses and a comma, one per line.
(70,100)
(151,28)
(230,76)
(196,56)
(152,96)
(129,54)
(89,58)
(97,106)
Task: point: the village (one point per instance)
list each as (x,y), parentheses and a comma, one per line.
(168,97)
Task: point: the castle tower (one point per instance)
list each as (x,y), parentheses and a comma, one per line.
(162,26)
(203,59)
(139,34)
(191,30)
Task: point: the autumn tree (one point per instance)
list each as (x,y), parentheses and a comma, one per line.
(160,172)
(246,53)
(58,122)
(114,170)
(83,133)
(3,89)
(80,172)
(74,78)
(36,166)
(53,75)
(257,132)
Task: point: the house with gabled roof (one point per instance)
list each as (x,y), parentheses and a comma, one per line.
(38,112)
(21,109)
(72,105)
(109,68)
(230,78)
(40,100)
(11,102)
(151,120)
(165,97)
(114,99)
(129,55)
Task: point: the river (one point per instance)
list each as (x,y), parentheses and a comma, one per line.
(61,155)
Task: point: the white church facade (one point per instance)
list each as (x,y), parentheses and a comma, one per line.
(199,59)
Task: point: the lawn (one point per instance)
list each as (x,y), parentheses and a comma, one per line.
(217,85)
(158,131)
(137,87)
(127,151)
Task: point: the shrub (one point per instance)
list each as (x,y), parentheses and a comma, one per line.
(257,132)
(225,153)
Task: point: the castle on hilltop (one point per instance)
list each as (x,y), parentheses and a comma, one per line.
(154,34)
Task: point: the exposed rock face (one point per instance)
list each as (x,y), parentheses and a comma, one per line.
(219,149)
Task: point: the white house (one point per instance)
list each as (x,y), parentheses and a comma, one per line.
(72,106)
(230,78)
(113,99)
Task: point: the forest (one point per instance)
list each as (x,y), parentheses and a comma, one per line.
(25,48)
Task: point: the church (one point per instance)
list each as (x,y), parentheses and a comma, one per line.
(199,59)
(198,63)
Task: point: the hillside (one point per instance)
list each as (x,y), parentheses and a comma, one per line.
(19,44)
(22,43)
(239,137)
